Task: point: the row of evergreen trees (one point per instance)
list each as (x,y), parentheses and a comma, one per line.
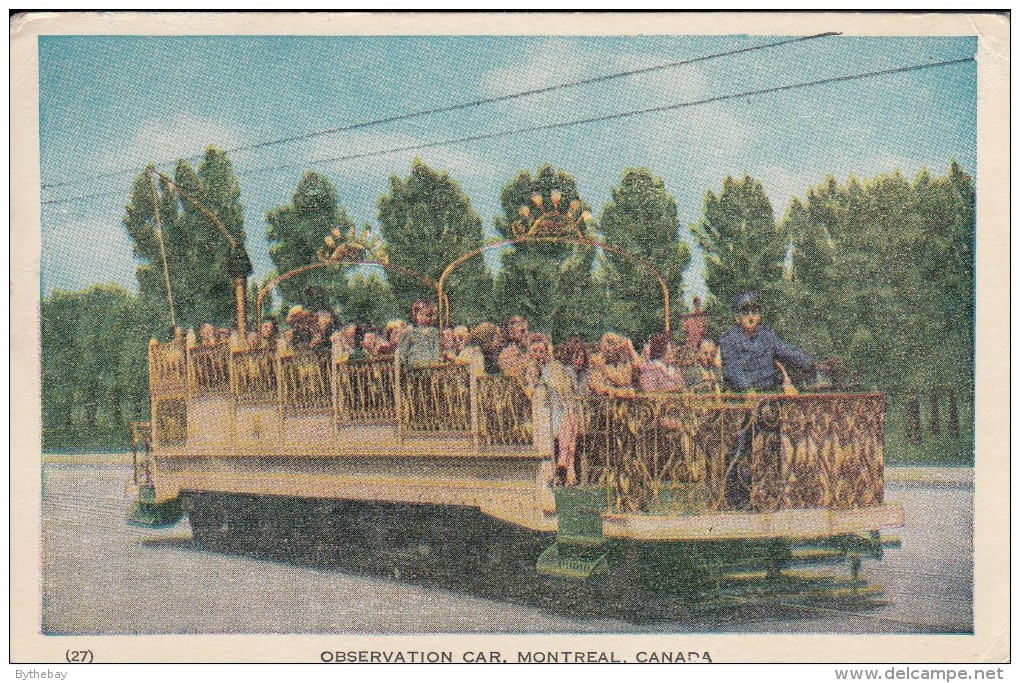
(877,272)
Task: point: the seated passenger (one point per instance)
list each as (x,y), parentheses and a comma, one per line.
(660,371)
(392,333)
(265,339)
(705,375)
(207,334)
(419,346)
(322,332)
(482,350)
(460,338)
(513,358)
(614,368)
(302,330)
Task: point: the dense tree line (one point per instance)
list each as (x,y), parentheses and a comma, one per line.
(877,272)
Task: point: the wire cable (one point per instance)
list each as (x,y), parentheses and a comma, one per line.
(465,105)
(576,122)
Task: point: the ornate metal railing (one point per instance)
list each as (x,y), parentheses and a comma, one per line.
(366,391)
(504,412)
(306,383)
(435,399)
(168,368)
(209,370)
(171,420)
(685,453)
(255,377)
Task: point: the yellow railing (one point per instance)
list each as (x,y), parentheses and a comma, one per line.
(366,390)
(435,399)
(687,453)
(504,412)
(168,368)
(171,420)
(255,377)
(209,370)
(306,383)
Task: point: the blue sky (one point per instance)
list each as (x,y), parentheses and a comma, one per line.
(116,103)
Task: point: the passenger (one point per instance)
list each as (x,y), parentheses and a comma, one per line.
(752,354)
(660,372)
(222,335)
(460,338)
(705,375)
(447,344)
(513,359)
(614,368)
(301,324)
(393,331)
(482,350)
(419,346)
(573,354)
(207,334)
(371,343)
(266,338)
(347,340)
(322,332)
(564,403)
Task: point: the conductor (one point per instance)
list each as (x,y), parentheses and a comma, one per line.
(753,356)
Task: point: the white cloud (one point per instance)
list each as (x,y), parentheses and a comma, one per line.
(179,136)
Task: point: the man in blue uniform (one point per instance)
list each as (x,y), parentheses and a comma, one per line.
(750,350)
(752,360)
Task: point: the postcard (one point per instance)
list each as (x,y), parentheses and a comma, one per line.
(510,338)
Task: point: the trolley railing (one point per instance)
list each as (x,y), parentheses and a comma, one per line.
(690,454)
(654,453)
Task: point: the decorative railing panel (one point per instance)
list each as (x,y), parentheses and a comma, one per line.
(171,425)
(168,368)
(504,412)
(306,383)
(435,399)
(366,390)
(685,453)
(255,377)
(209,372)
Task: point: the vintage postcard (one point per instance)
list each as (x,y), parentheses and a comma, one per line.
(527,338)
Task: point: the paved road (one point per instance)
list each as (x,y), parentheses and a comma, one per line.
(101,576)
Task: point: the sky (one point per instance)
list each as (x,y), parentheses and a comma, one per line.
(109,105)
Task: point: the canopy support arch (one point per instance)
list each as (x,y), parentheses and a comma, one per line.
(444,302)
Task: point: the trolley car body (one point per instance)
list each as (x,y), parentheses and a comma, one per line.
(737,483)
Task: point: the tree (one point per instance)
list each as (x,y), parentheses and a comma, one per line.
(883,270)
(94,370)
(427,222)
(642,219)
(196,250)
(296,232)
(744,248)
(551,285)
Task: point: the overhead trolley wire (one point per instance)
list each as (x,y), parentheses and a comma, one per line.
(466,105)
(577,122)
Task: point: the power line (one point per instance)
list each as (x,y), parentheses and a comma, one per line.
(463,105)
(611,117)
(576,122)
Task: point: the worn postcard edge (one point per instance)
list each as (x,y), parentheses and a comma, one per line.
(990,641)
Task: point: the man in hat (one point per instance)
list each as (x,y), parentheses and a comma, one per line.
(753,356)
(752,360)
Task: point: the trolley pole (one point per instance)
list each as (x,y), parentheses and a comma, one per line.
(239,267)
